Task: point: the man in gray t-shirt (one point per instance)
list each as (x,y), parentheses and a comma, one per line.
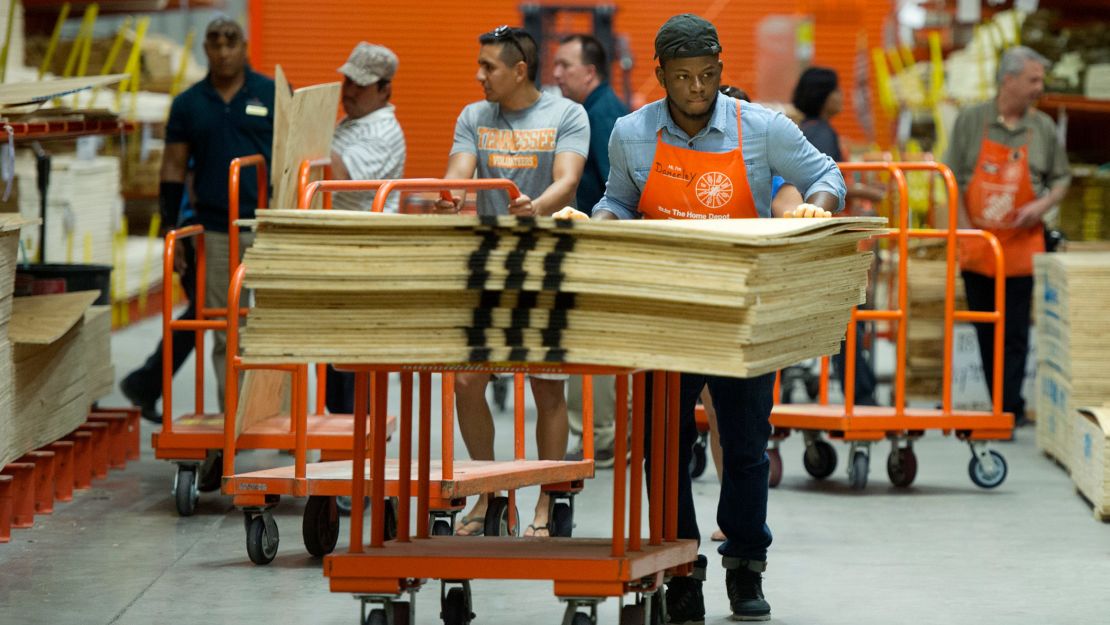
(540,142)
(522,145)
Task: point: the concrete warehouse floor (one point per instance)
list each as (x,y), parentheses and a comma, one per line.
(943,551)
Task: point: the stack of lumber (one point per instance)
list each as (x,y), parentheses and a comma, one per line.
(83,207)
(738,298)
(61,347)
(1090,464)
(9,249)
(1073,345)
(926,277)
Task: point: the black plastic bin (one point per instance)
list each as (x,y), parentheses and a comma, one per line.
(47,279)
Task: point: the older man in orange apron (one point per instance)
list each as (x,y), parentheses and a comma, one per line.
(1011,170)
(697,154)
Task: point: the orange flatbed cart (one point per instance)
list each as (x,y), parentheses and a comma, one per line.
(326,482)
(196,440)
(584,571)
(861,426)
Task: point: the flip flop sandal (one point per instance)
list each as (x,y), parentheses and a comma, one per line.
(467,521)
(536,528)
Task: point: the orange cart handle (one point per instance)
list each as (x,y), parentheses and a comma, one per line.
(305,172)
(385,187)
(233,174)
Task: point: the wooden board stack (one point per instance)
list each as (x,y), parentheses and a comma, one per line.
(83,207)
(1073,346)
(9,250)
(61,346)
(1090,465)
(737,298)
(926,277)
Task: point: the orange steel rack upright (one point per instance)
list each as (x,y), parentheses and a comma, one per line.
(861,426)
(324,482)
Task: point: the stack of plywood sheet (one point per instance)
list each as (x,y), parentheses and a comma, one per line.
(52,367)
(83,207)
(925,331)
(1090,460)
(738,298)
(9,249)
(1073,345)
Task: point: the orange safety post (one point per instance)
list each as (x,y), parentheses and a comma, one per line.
(44,479)
(117,436)
(6,508)
(82,459)
(587,417)
(63,469)
(133,415)
(22,493)
(99,448)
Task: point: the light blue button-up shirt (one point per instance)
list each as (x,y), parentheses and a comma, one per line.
(773,145)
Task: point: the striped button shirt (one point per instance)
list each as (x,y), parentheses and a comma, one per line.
(372,147)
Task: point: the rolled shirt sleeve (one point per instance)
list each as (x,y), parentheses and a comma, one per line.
(622,195)
(795,159)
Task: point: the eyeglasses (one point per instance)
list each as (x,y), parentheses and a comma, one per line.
(507,33)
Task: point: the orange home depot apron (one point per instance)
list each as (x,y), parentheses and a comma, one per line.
(999,187)
(687,184)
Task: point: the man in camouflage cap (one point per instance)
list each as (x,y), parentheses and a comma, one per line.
(368,145)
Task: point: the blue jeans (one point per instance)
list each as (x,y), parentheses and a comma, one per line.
(743,420)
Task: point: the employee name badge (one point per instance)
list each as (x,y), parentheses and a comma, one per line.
(257,110)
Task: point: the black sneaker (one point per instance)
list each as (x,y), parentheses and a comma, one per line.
(604,458)
(146,405)
(685,604)
(744,583)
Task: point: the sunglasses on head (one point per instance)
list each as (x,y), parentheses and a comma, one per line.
(505,33)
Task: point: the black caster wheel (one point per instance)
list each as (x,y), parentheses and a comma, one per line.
(562,520)
(441,527)
(775,475)
(211,473)
(981,477)
(581,618)
(455,608)
(857,471)
(343,503)
(497,518)
(377,617)
(819,459)
(320,527)
(901,466)
(633,615)
(185,490)
(262,540)
(698,457)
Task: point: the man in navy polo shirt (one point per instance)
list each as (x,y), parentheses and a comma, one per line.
(227,115)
